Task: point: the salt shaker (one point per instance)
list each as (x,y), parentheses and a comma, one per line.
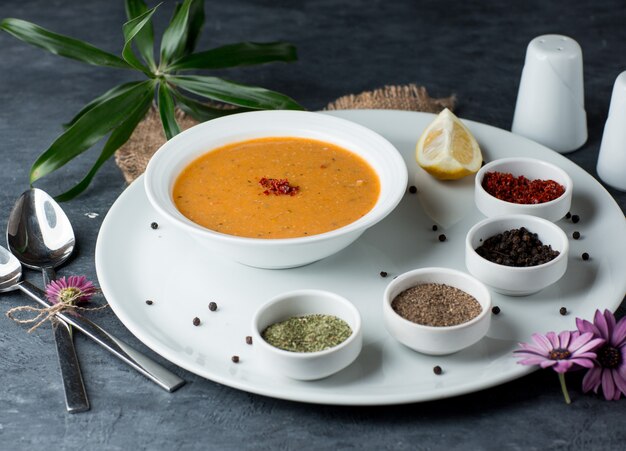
(550,106)
(612,158)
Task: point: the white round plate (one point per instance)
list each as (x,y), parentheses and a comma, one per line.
(135,263)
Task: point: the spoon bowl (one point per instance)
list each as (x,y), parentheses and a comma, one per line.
(10,271)
(39,232)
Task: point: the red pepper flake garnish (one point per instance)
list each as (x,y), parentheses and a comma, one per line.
(520,190)
(278,187)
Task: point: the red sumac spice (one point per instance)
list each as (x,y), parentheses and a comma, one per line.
(521,190)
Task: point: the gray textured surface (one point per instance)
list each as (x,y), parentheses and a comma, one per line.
(474,49)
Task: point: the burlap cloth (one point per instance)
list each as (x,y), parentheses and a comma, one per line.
(133,156)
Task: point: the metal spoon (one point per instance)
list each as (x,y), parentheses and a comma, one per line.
(10,275)
(40,235)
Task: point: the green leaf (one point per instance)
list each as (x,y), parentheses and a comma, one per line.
(167,112)
(196,22)
(59,44)
(131,29)
(201,111)
(144,40)
(175,35)
(118,137)
(234,93)
(242,54)
(89,129)
(98,100)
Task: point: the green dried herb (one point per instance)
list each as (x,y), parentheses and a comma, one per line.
(118,111)
(309,333)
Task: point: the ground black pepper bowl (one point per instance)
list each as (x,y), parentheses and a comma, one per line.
(532,169)
(307,365)
(511,280)
(430,339)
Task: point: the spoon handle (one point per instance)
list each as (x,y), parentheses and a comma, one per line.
(142,363)
(76,399)
(75,394)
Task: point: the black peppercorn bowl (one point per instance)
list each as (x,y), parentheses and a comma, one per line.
(516,280)
(532,169)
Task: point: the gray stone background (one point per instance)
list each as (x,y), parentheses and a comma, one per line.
(472,48)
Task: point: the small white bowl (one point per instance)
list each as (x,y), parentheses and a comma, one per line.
(178,152)
(532,169)
(430,339)
(307,365)
(510,280)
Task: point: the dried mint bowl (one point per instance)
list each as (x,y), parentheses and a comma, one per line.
(532,169)
(511,280)
(437,340)
(307,365)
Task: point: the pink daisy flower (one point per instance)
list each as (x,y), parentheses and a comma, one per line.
(73,290)
(610,368)
(562,352)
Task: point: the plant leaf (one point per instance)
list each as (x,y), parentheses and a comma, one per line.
(98,100)
(166,110)
(234,93)
(201,111)
(144,40)
(118,137)
(242,54)
(175,35)
(59,44)
(131,29)
(89,129)
(196,22)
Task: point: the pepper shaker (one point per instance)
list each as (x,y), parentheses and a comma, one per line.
(550,106)
(612,157)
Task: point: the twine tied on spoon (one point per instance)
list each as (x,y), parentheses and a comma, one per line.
(65,294)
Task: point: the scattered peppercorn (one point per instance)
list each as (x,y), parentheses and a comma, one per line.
(576,235)
(149,302)
(585,256)
(563,311)
(495,310)
(437,370)
(575,218)
(249,340)
(412,189)
(196,321)
(442,237)
(212,306)
(154,225)
(568,215)
(435,227)
(383,274)
(516,247)
(235,359)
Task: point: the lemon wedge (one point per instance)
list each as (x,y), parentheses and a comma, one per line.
(447,150)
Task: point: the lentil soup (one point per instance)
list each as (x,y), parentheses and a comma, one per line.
(282,187)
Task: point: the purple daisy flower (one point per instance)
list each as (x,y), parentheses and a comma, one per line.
(560,352)
(73,290)
(610,369)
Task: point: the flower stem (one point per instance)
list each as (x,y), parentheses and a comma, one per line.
(564,388)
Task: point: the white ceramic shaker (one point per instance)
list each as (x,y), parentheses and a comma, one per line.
(550,106)
(612,158)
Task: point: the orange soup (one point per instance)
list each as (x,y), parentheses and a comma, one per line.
(276,188)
